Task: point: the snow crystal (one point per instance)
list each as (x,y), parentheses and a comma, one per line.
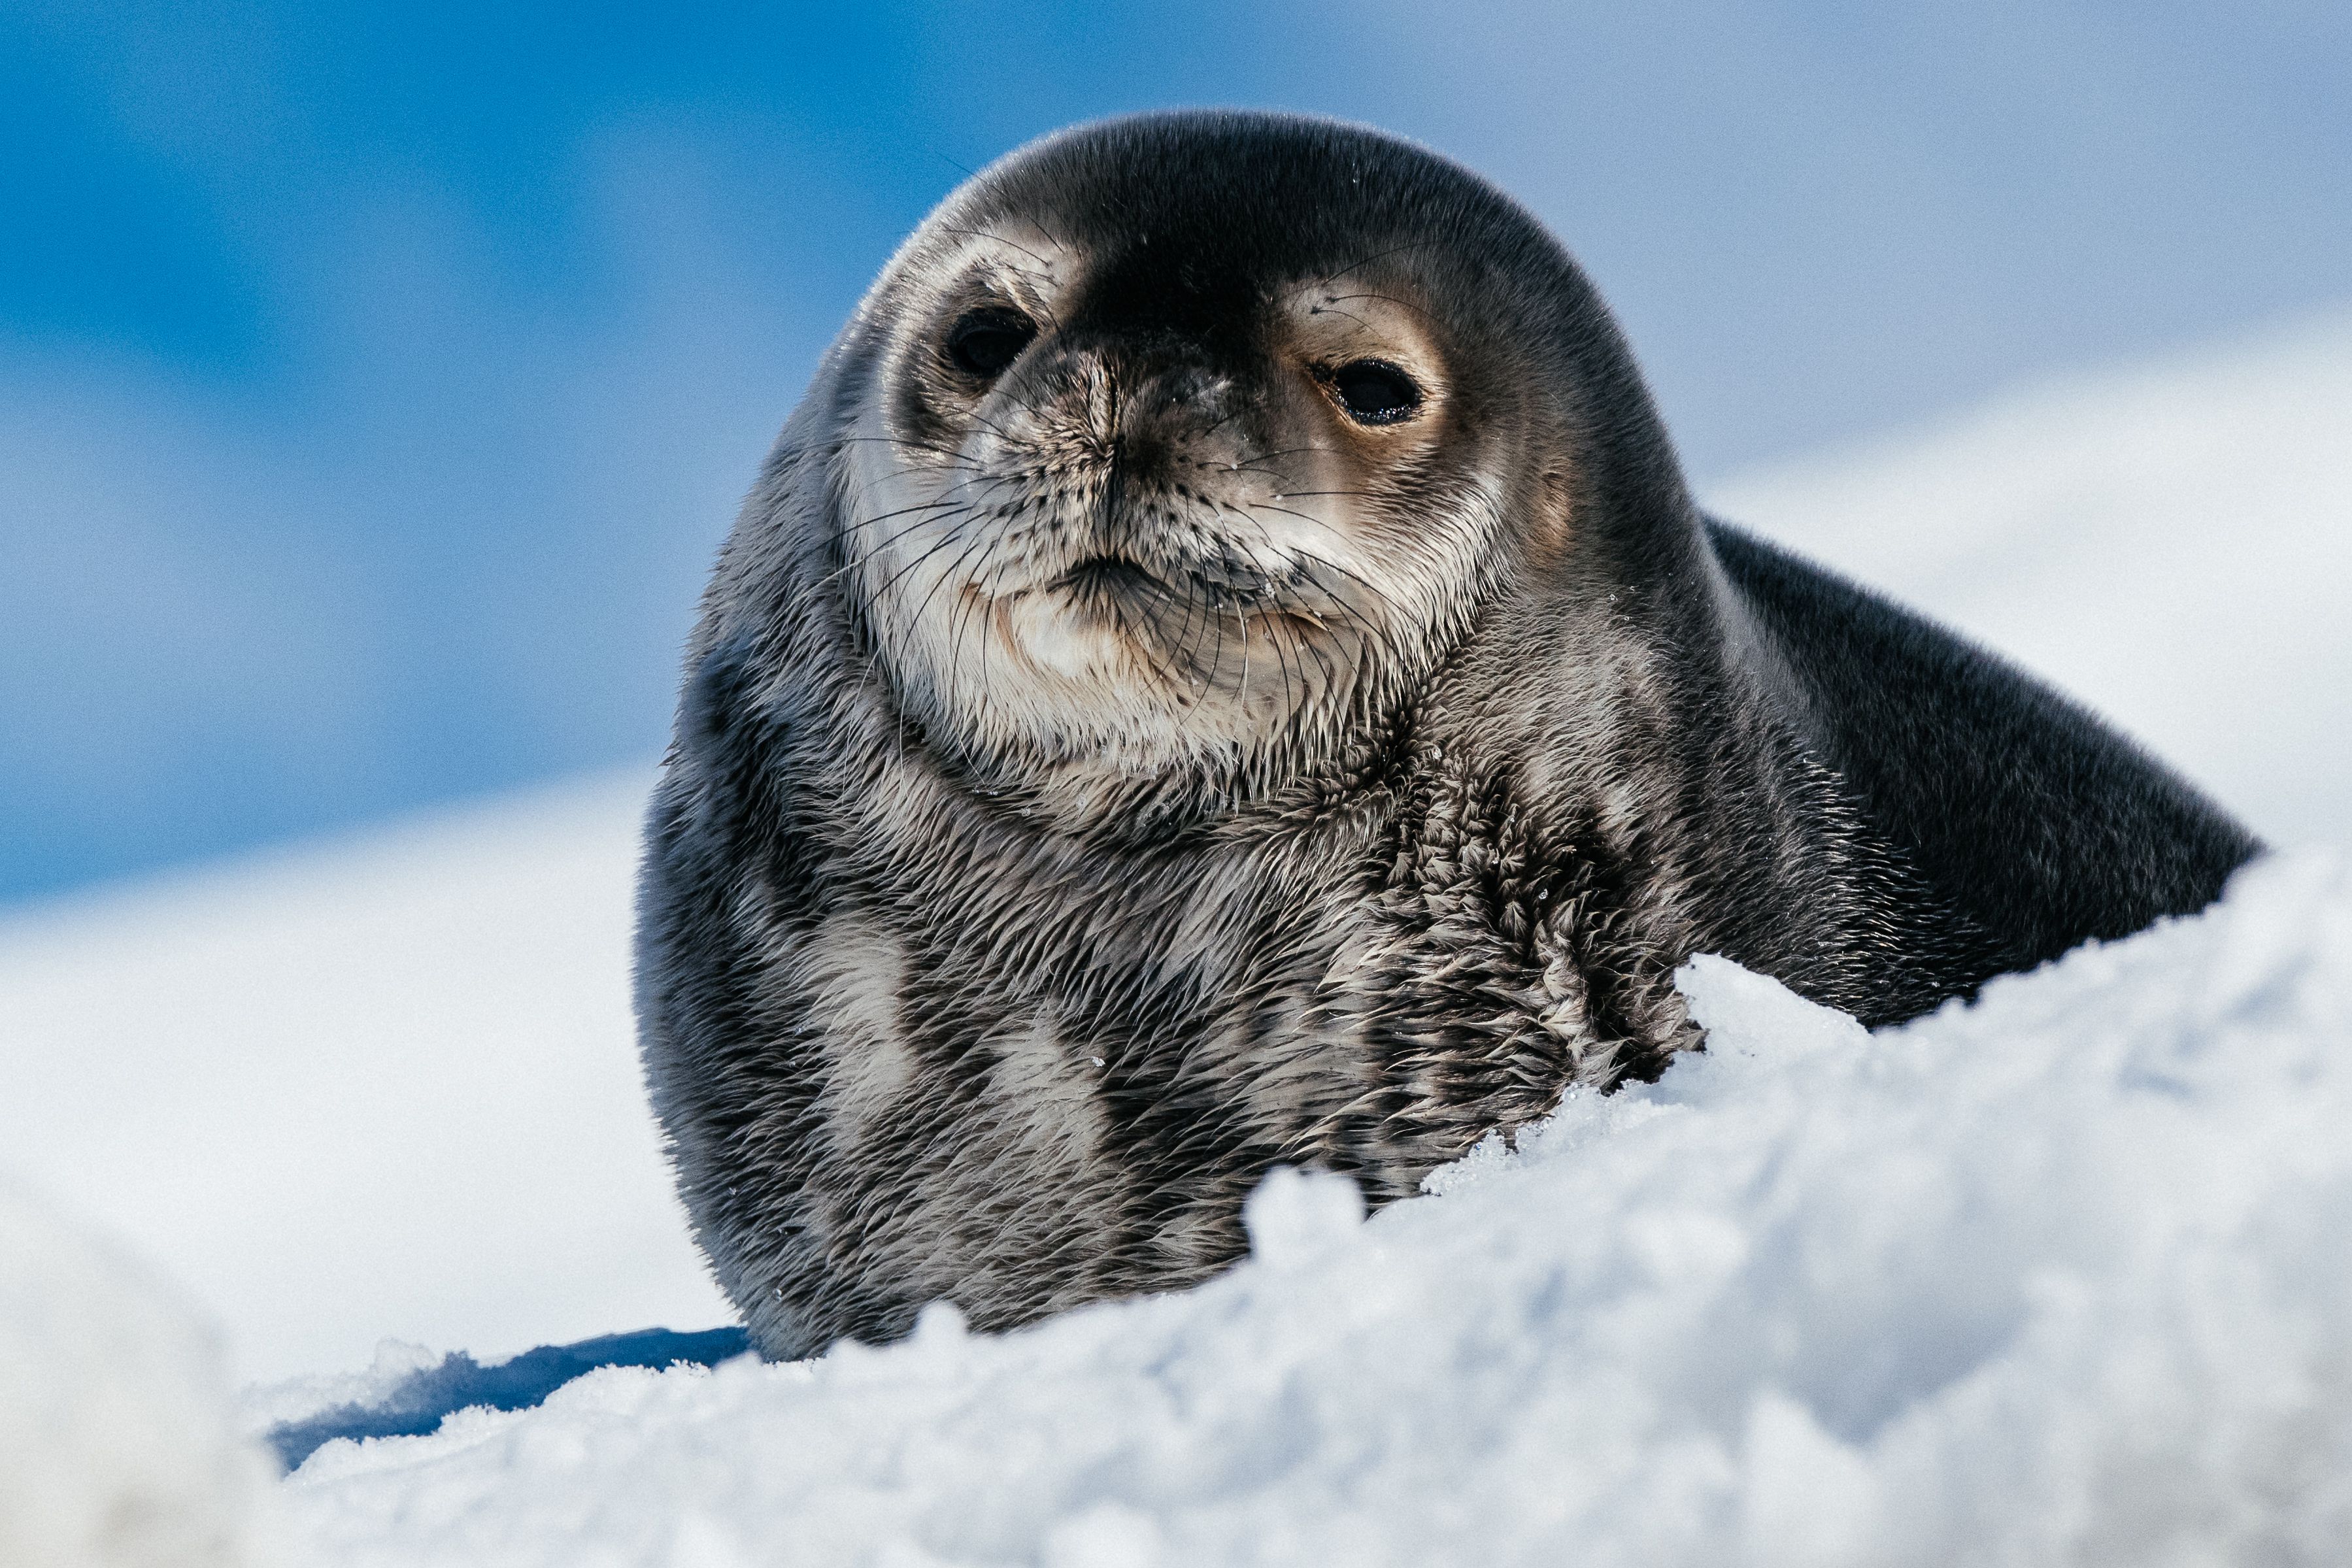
(2057,1277)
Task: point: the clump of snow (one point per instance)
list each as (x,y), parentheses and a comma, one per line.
(2058,1277)
(116,1445)
(263,1405)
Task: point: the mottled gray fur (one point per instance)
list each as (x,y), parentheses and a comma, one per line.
(1107,774)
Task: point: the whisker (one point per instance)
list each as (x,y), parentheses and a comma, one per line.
(1379,636)
(841,441)
(1000,239)
(1330,308)
(875,594)
(1380,255)
(955,643)
(1386,299)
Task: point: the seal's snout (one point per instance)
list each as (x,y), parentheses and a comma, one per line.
(1121,449)
(1139,403)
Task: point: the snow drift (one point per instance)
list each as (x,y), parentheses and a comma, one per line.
(116,1448)
(2060,1277)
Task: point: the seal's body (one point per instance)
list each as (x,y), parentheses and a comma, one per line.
(1223,670)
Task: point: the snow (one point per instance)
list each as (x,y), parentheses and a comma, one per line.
(2057,1278)
(387,1089)
(408,1390)
(2172,545)
(116,1447)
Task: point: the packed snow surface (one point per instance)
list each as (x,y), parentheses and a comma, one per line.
(2058,1277)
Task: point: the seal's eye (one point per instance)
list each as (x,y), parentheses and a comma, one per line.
(1374,391)
(986,340)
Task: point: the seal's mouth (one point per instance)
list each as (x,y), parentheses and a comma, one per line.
(1108,577)
(1223,575)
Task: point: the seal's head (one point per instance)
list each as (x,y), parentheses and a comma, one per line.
(1175,451)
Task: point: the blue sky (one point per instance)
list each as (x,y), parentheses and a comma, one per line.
(375,382)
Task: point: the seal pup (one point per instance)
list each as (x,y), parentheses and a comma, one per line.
(1221,670)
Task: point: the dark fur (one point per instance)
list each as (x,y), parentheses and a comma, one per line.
(913,1034)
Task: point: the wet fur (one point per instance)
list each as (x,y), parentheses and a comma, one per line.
(936,1006)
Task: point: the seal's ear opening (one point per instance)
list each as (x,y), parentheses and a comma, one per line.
(1551,526)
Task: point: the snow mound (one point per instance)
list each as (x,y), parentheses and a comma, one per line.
(116,1446)
(2059,1277)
